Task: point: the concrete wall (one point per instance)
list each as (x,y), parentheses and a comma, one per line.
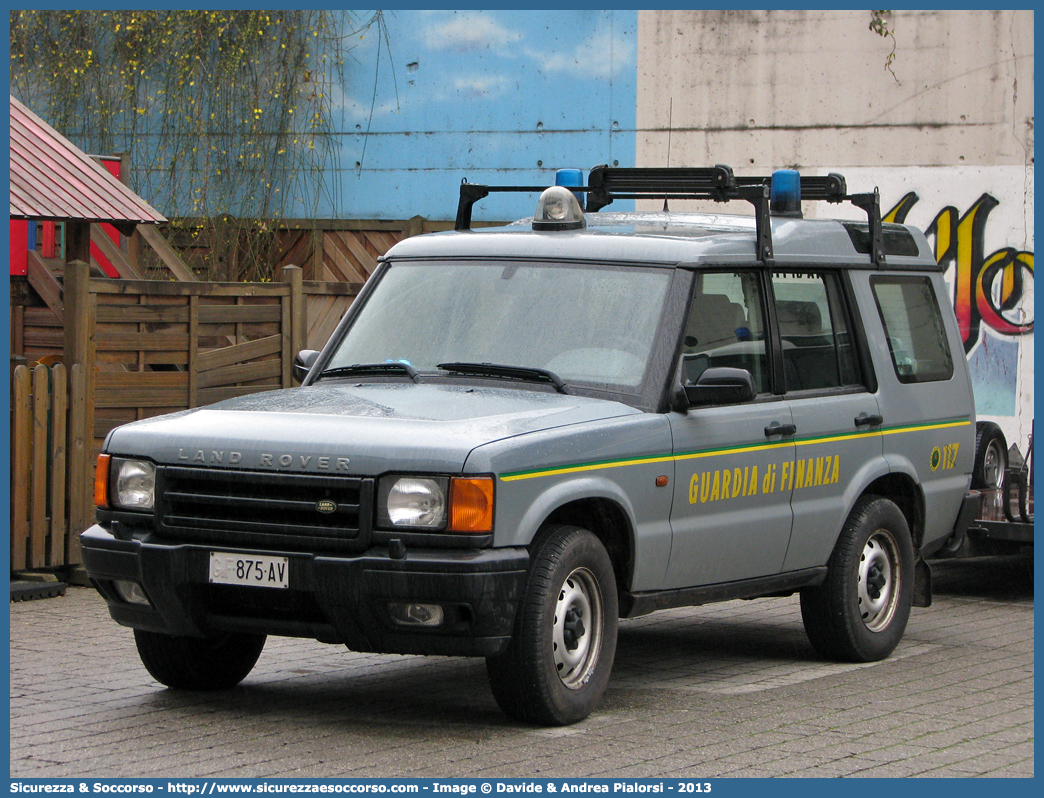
(949,118)
(778,88)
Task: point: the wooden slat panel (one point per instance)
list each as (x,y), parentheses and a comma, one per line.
(145,314)
(58,531)
(288,346)
(17,327)
(324,316)
(165,357)
(131,341)
(193,353)
(367,260)
(216,358)
(41,317)
(145,379)
(383,241)
(21,454)
(244,372)
(295,246)
(313,268)
(143,397)
(46,285)
(81,503)
(251,332)
(90,372)
(36,339)
(144,389)
(158,288)
(319,311)
(313,287)
(38,477)
(238,314)
(103,426)
(339,263)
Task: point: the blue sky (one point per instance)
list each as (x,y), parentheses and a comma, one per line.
(490,96)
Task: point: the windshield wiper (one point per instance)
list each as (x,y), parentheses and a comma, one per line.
(521,373)
(372,370)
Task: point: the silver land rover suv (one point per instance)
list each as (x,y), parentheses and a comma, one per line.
(518,435)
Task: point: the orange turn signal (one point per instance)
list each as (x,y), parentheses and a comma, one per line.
(471,504)
(101,481)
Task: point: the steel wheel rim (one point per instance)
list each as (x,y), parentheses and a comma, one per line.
(576,636)
(879,577)
(992,465)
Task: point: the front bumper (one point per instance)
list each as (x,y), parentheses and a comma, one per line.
(334,599)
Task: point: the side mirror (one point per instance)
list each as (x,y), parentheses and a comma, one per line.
(721,386)
(303,362)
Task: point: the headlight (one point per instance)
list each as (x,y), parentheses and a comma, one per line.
(418,502)
(450,504)
(133,484)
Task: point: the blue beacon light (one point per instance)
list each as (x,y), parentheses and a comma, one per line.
(785,197)
(571,177)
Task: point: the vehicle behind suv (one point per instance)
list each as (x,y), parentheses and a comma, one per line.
(518,435)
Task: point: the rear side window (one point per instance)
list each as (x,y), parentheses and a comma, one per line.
(814,331)
(914,326)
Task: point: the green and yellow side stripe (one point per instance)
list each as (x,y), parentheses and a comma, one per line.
(575,468)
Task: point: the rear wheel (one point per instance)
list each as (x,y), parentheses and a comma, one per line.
(860,611)
(991,456)
(198,663)
(558,664)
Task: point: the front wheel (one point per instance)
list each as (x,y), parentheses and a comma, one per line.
(558,664)
(860,611)
(198,663)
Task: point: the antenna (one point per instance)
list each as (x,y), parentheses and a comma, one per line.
(670,126)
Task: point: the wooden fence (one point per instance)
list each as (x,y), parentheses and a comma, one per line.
(37,330)
(50,498)
(326,250)
(154,347)
(142,348)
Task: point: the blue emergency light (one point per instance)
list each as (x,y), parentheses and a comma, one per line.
(571,177)
(785,199)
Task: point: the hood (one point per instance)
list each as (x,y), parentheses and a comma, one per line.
(354,429)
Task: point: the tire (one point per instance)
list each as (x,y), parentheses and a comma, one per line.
(860,611)
(198,663)
(991,456)
(561,653)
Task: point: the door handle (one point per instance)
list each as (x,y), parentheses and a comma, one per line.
(775,428)
(867,420)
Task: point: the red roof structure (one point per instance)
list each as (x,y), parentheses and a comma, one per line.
(51,179)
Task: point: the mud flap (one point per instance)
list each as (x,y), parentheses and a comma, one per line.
(922,596)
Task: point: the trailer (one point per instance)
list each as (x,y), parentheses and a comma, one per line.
(1004,522)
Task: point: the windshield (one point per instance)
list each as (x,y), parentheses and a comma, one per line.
(593,325)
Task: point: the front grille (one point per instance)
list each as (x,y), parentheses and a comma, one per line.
(264,510)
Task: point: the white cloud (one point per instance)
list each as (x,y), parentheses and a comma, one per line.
(357,112)
(601,56)
(487,86)
(469,32)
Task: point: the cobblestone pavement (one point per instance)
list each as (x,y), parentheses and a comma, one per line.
(730,689)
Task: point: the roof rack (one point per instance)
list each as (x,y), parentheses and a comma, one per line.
(717,183)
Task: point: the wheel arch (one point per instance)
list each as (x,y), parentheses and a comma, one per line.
(607,521)
(906,494)
(594,503)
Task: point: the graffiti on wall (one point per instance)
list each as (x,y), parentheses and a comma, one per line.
(993,290)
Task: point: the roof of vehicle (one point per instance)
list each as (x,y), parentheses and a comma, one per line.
(678,239)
